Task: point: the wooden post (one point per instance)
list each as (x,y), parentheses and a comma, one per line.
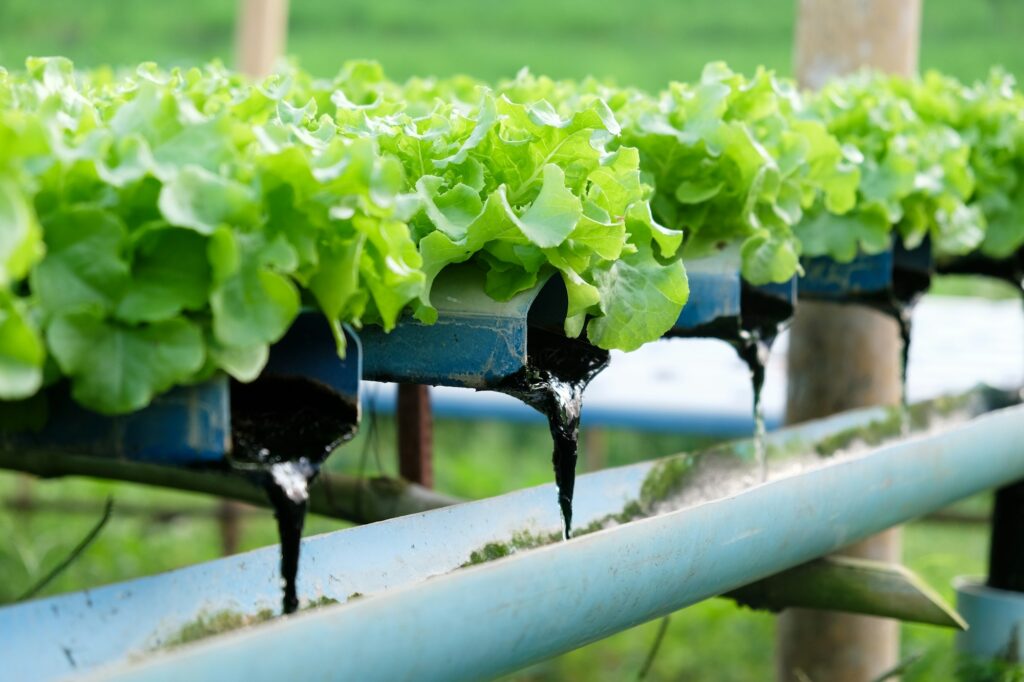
(415,435)
(262,29)
(842,356)
(595,448)
(229,521)
(854,586)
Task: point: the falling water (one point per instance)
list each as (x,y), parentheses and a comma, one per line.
(763,317)
(900,307)
(911,277)
(904,312)
(754,348)
(552,382)
(282,430)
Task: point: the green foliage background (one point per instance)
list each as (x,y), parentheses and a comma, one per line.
(644,42)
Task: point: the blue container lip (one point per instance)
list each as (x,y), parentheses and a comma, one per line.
(185,425)
(827,279)
(975,585)
(714,300)
(191,424)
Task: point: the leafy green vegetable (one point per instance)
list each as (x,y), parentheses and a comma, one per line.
(21,353)
(157,227)
(989,117)
(160,226)
(938,159)
(117,368)
(20,236)
(731,160)
(521,189)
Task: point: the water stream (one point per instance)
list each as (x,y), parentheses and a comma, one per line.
(900,307)
(911,278)
(282,430)
(755,350)
(763,316)
(904,320)
(552,382)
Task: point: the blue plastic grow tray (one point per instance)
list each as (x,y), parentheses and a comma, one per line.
(475,342)
(188,425)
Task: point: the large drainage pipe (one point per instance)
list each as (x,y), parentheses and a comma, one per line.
(489,619)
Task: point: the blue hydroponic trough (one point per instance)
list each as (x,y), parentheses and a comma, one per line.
(899,273)
(189,425)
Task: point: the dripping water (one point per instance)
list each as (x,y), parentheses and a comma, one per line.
(908,285)
(763,317)
(282,430)
(751,335)
(755,349)
(552,382)
(903,315)
(900,307)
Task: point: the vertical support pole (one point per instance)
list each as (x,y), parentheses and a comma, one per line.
(229,520)
(415,435)
(1006,552)
(842,357)
(261,33)
(595,448)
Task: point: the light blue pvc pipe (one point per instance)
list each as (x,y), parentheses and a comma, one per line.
(48,639)
(719,424)
(490,619)
(995,619)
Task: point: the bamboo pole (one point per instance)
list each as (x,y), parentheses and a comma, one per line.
(260,39)
(853,586)
(841,36)
(842,357)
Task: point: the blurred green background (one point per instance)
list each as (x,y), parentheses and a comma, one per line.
(643,42)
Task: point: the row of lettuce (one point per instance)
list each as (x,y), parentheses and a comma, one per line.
(158,227)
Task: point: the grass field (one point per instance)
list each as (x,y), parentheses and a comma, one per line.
(644,42)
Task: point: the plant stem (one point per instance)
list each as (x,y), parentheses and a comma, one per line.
(655,646)
(74,554)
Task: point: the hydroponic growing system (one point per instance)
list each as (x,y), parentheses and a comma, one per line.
(198,269)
